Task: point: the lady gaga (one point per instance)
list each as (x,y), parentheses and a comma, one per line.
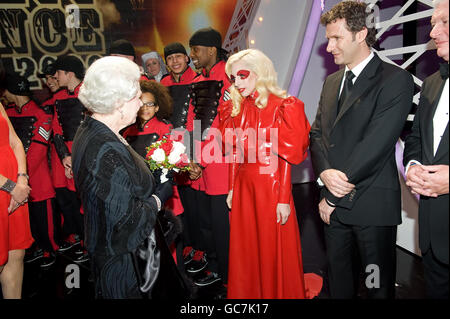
(263,133)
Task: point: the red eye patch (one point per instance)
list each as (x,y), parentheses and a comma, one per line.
(242,74)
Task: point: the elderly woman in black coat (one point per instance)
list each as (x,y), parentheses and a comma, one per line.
(119,194)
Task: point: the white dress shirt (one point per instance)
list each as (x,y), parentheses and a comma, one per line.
(440,122)
(356,70)
(440,119)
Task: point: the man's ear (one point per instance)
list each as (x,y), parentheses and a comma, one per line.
(212,51)
(362,35)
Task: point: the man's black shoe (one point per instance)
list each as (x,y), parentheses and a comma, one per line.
(197,265)
(48,260)
(189,257)
(80,258)
(35,255)
(210,278)
(66,245)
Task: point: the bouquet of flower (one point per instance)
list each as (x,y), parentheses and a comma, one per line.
(167,155)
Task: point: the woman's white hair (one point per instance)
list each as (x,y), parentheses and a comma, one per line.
(266,82)
(109,83)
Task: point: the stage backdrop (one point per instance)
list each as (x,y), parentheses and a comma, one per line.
(34,32)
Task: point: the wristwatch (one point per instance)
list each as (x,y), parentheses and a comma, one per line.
(8,186)
(24,175)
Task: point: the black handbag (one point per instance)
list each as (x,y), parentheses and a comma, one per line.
(158,275)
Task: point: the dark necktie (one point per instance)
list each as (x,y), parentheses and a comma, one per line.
(348,85)
(443,68)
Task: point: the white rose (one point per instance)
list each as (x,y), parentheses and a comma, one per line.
(158,155)
(178,147)
(175,154)
(173,158)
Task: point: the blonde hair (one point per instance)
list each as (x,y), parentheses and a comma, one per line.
(266,82)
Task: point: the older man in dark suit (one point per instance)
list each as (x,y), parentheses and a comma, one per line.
(426,160)
(361,114)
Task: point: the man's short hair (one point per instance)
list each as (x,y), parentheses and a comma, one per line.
(356,15)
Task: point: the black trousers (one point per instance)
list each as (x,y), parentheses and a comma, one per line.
(70,206)
(214,227)
(195,205)
(206,227)
(219,234)
(436,276)
(306,200)
(44,223)
(376,248)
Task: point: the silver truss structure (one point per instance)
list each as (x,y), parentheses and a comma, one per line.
(400,18)
(241,22)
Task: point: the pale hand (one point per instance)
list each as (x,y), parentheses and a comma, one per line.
(414,178)
(19,196)
(336,182)
(283,212)
(325,211)
(428,180)
(229,199)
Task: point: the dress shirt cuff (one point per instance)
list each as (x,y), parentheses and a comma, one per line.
(411,163)
(319,181)
(158,202)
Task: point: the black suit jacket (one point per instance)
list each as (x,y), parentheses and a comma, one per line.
(433,212)
(360,141)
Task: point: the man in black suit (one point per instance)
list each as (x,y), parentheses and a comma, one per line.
(426,160)
(359,120)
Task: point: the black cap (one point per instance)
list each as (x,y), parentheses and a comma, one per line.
(70,63)
(207,37)
(47,70)
(17,85)
(123,47)
(175,47)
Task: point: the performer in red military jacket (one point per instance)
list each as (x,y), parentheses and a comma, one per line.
(69,113)
(33,126)
(191,186)
(208,90)
(48,74)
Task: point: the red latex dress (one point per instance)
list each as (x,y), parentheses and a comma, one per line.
(265,256)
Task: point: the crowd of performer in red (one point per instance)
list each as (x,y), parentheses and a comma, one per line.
(185,101)
(237,217)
